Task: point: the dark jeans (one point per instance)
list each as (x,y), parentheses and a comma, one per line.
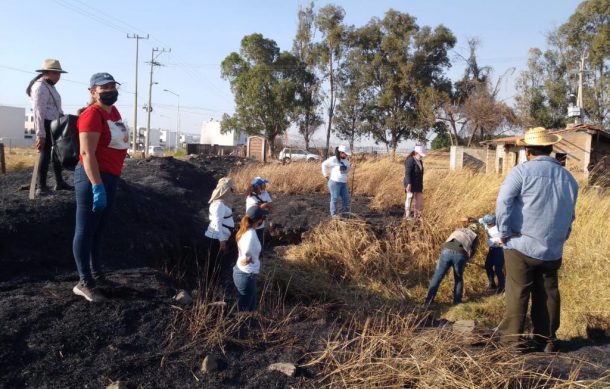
(90,225)
(246,290)
(44,158)
(219,263)
(494,267)
(529,276)
(338,189)
(448,259)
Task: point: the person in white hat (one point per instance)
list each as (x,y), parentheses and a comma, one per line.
(534,214)
(335,169)
(46,106)
(414,182)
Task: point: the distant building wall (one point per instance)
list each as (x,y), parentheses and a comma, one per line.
(470,157)
(211,135)
(12,127)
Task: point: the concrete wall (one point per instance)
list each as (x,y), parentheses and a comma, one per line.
(12,127)
(461,157)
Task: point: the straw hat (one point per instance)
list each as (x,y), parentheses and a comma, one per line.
(51,65)
(538,136)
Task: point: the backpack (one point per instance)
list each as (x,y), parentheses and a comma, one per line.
(64,135)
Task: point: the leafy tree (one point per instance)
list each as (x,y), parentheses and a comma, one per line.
(470,110)
(551,75)
(443,138)
(306,115)
(402,72)
(330,50)
(265,84)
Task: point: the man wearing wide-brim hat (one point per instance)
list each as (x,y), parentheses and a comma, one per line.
(46,106)
(534,215)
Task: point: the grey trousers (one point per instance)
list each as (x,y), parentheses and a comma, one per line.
(525,277)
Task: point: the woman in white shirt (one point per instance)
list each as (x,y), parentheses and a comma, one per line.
(221,222)
(46,106)
(248,263)
(259,197)
(335,170)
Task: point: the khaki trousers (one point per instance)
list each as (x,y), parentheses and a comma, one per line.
(527,276)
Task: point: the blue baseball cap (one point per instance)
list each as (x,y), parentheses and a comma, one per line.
(102,79)
(488,219)
(258,181)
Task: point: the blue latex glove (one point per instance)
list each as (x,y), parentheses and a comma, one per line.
(99,197)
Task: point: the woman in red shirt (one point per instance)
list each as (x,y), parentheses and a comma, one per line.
(104,140)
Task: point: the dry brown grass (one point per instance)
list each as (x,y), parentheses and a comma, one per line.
(20,158)
(390,350)
(399,261)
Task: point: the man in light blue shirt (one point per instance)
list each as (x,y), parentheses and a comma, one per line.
(534,212)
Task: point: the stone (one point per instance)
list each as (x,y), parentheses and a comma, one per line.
(117,385)
(183,298)
(209,364)
(465,327)
(287,368)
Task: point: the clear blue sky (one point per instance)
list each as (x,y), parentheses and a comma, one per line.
(89,37)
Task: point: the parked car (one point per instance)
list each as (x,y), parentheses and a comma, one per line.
(289,154)
(155,151)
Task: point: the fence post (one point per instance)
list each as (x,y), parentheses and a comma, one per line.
(2,159)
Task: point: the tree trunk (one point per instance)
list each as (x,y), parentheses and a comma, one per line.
(331,105)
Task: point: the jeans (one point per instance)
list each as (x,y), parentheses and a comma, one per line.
(494,266)
(90,225)
(527,276)
(44,158)
(338,189)
(449,258)
(246,290)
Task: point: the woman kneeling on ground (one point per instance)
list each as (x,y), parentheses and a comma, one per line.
(104,140)
(248,264)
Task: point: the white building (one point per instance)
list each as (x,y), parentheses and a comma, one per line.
(211,135)
(168,139)
(13,132)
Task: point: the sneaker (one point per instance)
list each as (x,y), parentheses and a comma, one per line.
(43,191)
(104,283)
(88,292)
(63,186)
(550,347)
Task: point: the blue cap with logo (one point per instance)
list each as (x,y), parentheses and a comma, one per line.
(258,181)
(102,79)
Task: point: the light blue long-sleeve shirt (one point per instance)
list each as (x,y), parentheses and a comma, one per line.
(536,207)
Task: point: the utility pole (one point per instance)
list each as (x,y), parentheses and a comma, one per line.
(153,63)
(178,118)
(576,110)
(135,101)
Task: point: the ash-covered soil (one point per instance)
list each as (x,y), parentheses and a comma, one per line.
(50,338)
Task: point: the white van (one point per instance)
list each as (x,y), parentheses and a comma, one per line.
(155,151)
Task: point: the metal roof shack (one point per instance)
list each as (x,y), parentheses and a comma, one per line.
(584,150)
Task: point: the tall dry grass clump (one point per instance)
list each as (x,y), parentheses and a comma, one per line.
(389,350)
(19,158)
